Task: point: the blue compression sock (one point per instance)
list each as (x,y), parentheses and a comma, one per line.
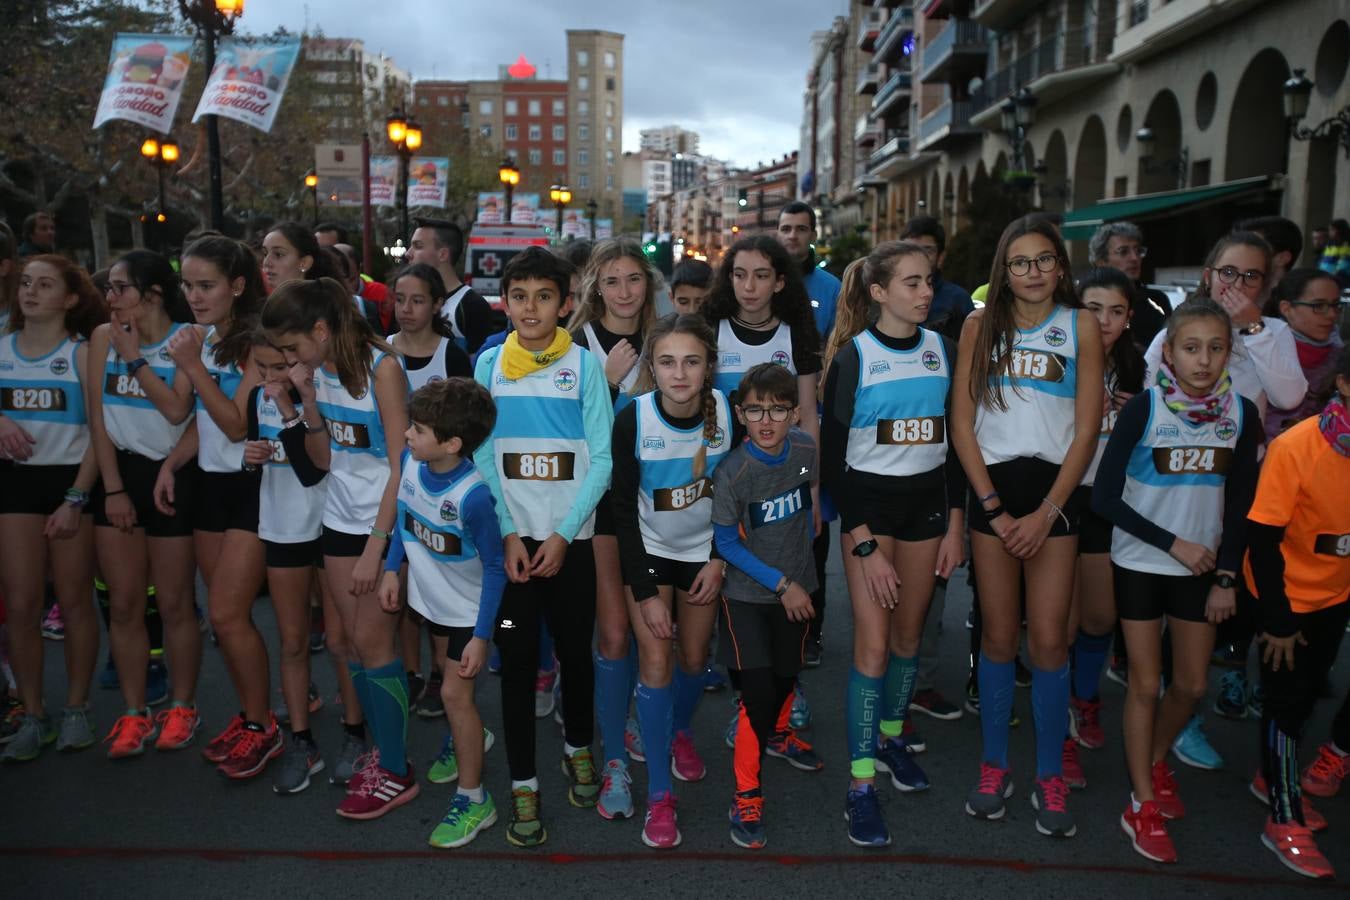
(655,711)
(389,708)
(632,672)
(361,685)
(1050,707)
(1089,659)
(611,703)
(901,672)
(864,701)
(688,691)
(997,681)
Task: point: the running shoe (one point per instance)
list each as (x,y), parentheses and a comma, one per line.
(583,787)
(253,750)
(616,792)
(1070,766)
(1256,701)
(34,733)
(53,624)
(431,706)
(914,741)
(218,748)
(1324,775)
(931,703)
(1294,845)
(130,736)
(1194,749)
(1086,723)
(812,653)
(374,790)
(632,741)
(747,820)
(729,736)
(177,727)
(1231,702)
(1050,799)
(525,829)
(1315,821)
(787,746)
(1147,831)
(660,831)
(713,680)
(866,825)
(544,700)
(893,756)
(463,821)
(11,720)
(75,733)
(988,799)
(1165,794)
(300,761)
(1021,674)
(345,767)
(107,679)
(318,641)
(1227,655)
(445,768)
(685,763)
(800,717)
(1118,670)
(156,683)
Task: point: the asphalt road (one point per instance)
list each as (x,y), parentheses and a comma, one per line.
(166,825)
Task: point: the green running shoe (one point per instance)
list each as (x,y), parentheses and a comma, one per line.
(525,829)
(463,821)
(583,789)
(446,767)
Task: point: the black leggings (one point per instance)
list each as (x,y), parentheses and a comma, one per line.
(820,548)
(566,602)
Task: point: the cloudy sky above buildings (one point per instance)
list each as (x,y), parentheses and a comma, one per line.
(732,70)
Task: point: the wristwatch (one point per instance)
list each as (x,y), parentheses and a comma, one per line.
(865,548)
(1255,328)
(782,589)
(1225,581)
(136,365)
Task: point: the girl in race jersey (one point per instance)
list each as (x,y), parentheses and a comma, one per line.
(425,340)
(290,251)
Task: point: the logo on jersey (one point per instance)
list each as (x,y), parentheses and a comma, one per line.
(879,368)
(1168,431)
(6,365)
(779,358)
(730,359)
(435,378)
(60,366)
(654,443)
(565,380)
(719,437)
(502,379)
(448,511)
(1224,429)
(164,354)
(931,361)
(407,486)
(1055,336)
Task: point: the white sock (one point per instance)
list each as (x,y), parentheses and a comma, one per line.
(1337,750)
(475,795)
(1134,804)
(531,784)
(569,750)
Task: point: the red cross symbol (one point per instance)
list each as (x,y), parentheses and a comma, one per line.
(489,263)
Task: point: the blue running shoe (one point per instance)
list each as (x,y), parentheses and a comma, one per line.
(713,680)
(894,756)
(1193,748)
(1256,702)
(801,710)
(747,820)
(1232,700)
(616,793)
(107,679)
(785,745)
(866,826)
(156,684)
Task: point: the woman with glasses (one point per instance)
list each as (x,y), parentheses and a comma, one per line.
(1309,301)
(1026,412)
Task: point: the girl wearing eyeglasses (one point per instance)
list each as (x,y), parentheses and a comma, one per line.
(1026,412)
(137,413)
(1309,300)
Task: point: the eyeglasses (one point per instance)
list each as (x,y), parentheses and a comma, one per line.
(117,287)
(1129,250)
(1230,274)
(1046,262)
(1322,309)
(756,413)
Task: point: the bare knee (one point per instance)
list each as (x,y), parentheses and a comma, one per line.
(1144,686)
(1188,689)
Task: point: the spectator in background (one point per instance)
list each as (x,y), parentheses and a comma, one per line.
(1319,241)
(1309,300)
(39,235)
(1335,259)
(797,233)
(330,234)
(1284,237)
(1120,245)
(690,285)
(9,275)
(951,304)
(348,273)
(370,291)
(440,244)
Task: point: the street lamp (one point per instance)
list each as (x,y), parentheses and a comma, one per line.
(591,209)
(1016,115)
(1297,91)
(312,182)
(1177,165)
(509,176)
(406,137)
(161,155)
(561,195)
(214,19)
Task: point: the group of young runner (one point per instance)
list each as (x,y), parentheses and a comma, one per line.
(602,495)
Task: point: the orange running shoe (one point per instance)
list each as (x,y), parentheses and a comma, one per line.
(1323,778)
(219,747)
(177,727)
(1295,847)
(252,751)
(130,736)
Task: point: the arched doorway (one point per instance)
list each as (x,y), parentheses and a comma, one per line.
(1089,166)
(1164,120)
(1055,193)
(1257,134)
(962,196)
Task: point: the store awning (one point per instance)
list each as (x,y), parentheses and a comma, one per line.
(1079,224)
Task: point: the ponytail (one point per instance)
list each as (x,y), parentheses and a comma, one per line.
(298,306)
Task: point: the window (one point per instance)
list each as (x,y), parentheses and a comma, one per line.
(583,108)
(560,132)
(512,108)
(609,157)
(609,83)
(584,181)
(583,157)
(583,83)
(609,132)
(583,58)
(609,109)
(534,107)
(485,107)
(464,120)
(560,107)
(344,78)
(583,132)
(422,101)
(560,157)
(536,156)
(511,133)
(610,61)
(442,100)
(609,182)
(536,132)
(485,131)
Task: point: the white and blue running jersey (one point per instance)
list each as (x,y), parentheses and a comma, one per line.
(1175,478)
(900,407)
(674,507)
(735,358)
(445,572)
(593,345)
(431,372)
(43,395)
(216,452)
(1039,390)
(540,444)
(1108,426)
(131,420)
(288,512)
(359,467)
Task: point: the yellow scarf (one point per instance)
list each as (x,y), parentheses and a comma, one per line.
(517,362)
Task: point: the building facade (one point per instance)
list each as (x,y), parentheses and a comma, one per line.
(669,139)
(360,87)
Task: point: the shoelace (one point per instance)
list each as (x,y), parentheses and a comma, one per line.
(749,809)
(1091,713)
(1056,794)
(582,767)
(991,779)
(1232,689)
(527,805)
(249,742)
(611,773)
(459,806)
(1164,783)
(1151,820)
(447,750)
(869,803)
(229,734)
(163,717)
(790,741)
(125,724)
(1329,764)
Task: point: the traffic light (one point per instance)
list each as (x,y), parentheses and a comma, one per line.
(649,249)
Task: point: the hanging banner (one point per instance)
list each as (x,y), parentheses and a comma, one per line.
(428,179)
(574,225)
(145,80)
(383,178)
(248,81)
(491,208)
(604,228)
(339,169)
(525,209)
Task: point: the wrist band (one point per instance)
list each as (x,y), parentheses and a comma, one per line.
(77,497)
(292,422)
(1048,502)
(376,532)
(991,514)
(987,497)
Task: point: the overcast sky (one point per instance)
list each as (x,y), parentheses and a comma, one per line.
(732,70)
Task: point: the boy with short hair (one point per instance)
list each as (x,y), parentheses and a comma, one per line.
(548,463)
(763,527)
(446,530)
(690,285)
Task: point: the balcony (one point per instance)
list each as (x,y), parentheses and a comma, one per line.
(895,90)
(946,124)
(961,46)
(898,33)
(873,20)
(867,131)
(1146,29)
(1051,69)
(1000,14)
(869,76)
(890,158)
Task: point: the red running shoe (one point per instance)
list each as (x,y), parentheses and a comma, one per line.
(1312,818)
(374,790)
(1295,847)
(1087,723)
(1323,778)
(251,752)
(218,748)
(1165,792)
(1147,830)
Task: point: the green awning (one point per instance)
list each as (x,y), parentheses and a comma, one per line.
(1079,224)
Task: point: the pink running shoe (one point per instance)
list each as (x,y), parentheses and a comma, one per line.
(685,763)
(660,831)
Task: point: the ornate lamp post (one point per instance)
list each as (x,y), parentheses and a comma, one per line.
(561,195)
(161,155)
(1297,91)
(509,176)
(312,183)
(406,136)
(1177,165)
(214,19)
(591,209)
(1016,115)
